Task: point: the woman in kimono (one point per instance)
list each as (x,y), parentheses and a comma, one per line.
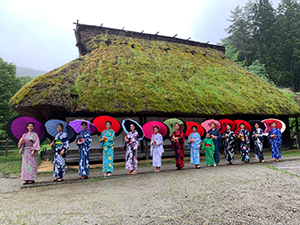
(61,146)
(244,143)
(274,137)
(229,144)
(216,137)
(209,149)
(84,141)
(156,148)
(29,145)
(107,142)
(258,139)
(194,141)
(177,139)
(132,143)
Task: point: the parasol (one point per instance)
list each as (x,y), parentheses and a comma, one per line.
(280,125)
(189,130)
(76,125)
(238,122)
(17,126)
(262,125)
(224,123)
(148,129)
(170,123)
(126,127)
(100,123)
(206,124)
(51,126)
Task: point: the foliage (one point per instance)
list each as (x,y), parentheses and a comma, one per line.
(259,70)
(25,71)
(25,79)
(132,74)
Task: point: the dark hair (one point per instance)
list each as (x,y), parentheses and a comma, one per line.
(257,124)
(30,123)
(241,125)
(84,123)
(156,127)
(213,123)
(274,122)
(194,126)
(177,124)
(132,124)
(62,126)
(107,122)
(228,124)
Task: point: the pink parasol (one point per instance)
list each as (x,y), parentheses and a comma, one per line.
(206,124)
(148,129)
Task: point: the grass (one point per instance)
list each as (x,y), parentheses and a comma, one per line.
(286,153)
(277,169)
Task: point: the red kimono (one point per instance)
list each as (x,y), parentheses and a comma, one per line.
(178,146)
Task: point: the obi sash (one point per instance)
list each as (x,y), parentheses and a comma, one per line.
(58,142)
(207,145)
(29,144)
(81,140)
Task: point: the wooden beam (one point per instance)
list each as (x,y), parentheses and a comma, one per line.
(297,130)
(6,149)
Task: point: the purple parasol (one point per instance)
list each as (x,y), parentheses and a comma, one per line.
(76,125)
(17,126)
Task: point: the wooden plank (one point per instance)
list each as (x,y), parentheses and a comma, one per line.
(6,149)
(4,141)
(9,146)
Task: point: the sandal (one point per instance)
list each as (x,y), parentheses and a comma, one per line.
(129,172)
(133,172)
(60,180)
(55,179)
(31,182)
(108,174)
(198,167)
(25,182)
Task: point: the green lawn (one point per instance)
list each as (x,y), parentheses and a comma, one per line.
(286,153)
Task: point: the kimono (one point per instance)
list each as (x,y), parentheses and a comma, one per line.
(244,145)
(194,147)
(258,144)
(178,147)
(131,162)
(84,152)
(217,143)
(156,150)
(209,148)
(108,150)
(61,142)
(229,145)
(29,163)
(275,143)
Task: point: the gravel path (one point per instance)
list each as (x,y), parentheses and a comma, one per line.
(239,194)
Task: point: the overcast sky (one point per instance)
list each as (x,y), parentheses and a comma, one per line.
(39,34)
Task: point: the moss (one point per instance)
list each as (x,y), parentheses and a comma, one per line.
(122,74)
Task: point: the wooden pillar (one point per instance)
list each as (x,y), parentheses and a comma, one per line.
(146,143)
(297,130)
(6,148)
(141,142)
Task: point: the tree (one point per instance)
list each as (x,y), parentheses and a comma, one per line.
(25,79)
(259,70)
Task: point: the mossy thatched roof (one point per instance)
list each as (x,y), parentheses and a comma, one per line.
(119,74)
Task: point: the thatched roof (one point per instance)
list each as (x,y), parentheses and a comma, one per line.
(127,72)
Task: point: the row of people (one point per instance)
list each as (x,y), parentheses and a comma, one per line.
(29,144)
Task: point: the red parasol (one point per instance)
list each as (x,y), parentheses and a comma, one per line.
(280,125)
(224,123)
(100,122)
(206,124)
(189,130)
(148,129)
(238,122)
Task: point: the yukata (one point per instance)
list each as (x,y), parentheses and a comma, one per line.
(156,150)
(84,152)
(61,142)
(217,143)
(208,147)
(244,144)
(275,143)
(131,162)
(258,143)
(194,147)
(29,163)
(229,145)
(178,147)
(108,150)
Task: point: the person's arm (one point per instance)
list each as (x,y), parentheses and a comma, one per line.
(65,144)
(112,137)
(279,134)
(160,140)
(36,145)
(88,140)
(21,141)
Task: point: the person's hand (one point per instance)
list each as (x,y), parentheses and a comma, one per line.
(62,152)
(226,135)
(32,153)
(79,142)
(52,144)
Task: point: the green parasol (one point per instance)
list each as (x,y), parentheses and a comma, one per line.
(170,123)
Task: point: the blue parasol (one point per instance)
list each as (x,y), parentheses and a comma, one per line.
(126,127)
(52,131)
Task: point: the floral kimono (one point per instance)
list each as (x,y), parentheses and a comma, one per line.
(244,145)
(132,144)
(29,163)
(275,143)
(84,152)
(156,150)
(258,143)
(229,145)
(217,143)
(108,150)
(209,148)
(178,146)
(61,142)
(194,147)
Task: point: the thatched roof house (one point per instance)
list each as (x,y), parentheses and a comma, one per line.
(129,73)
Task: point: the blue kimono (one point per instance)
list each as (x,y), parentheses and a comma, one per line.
(61,142)
(84,152)
(275,143)
(194,147)
(108,150)
(217,143)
